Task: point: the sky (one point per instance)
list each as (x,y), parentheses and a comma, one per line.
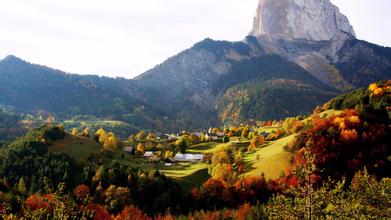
(125,38)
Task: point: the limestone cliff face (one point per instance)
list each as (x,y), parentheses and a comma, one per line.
(315,20)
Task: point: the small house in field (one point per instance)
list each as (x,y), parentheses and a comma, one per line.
(148,154)
(189,157)
(220,134)
(169,162)
(128,150)
(213,137)
(164,137)
(198,134)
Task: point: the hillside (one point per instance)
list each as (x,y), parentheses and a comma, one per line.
(258,163)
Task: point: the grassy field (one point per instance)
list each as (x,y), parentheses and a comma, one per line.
(77,147)
(189,175)
(268,129)
(324,114)
(80,148)
(202,148)
(271,160)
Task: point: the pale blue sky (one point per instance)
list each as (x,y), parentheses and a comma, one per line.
(127,37)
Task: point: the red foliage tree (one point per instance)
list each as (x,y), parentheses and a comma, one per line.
(35,202)
(243,212)
(81,192)
(98,212)
(131,213)
(343,144)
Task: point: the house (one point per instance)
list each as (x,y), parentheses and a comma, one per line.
(213,138)
(169,162)
(164,136)
(129,150)
(148,154)
(189,157)
(198,134)
(172,137)
(220,134)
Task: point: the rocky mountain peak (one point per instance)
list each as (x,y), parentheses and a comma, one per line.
(316,20)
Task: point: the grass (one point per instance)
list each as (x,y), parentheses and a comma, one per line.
(78,148)
(182,169)
(272,160)
(268,129)
(202,148)
(324,114)
(189,175)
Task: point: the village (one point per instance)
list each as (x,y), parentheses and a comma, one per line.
(168,150)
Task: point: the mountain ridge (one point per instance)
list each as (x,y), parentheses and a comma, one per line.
(200,86)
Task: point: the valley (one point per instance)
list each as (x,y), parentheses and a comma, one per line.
(290,122)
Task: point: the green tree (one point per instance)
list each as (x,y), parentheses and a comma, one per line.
(183,143)
(22,186)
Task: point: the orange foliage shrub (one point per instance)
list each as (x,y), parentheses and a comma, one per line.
(98,212)
(35,202)
(342,145)
(243,211)
(81,191)
(132,213)
(349,135)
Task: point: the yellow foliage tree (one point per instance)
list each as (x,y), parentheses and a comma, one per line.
(193,138)
(169,154)
(75,131)
(111,142)
(86,132)
(100,131)
(244,132)
(150,136)
(140,136)
(102,138)
(140,148)
(131,138)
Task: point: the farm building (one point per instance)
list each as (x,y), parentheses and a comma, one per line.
(168,162)
(189,157)
(128,149)
(148,154)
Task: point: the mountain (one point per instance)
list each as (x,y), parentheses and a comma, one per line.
(301,19)
(298,54)
(31,88)
(304,48)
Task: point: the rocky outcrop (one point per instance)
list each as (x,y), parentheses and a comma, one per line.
(318,20)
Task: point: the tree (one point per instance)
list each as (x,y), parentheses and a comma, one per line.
(100,132)
(215,130)
(75,131)
(131,212)
(169,154)
(193,138)
(140,136)
(131,138)
(244,133)
(140,148)
(81,192)
(183,143)
(255,142)
(225,139)
(102,138)
(86,132)
(111,142)
(150,136)
(22,186)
